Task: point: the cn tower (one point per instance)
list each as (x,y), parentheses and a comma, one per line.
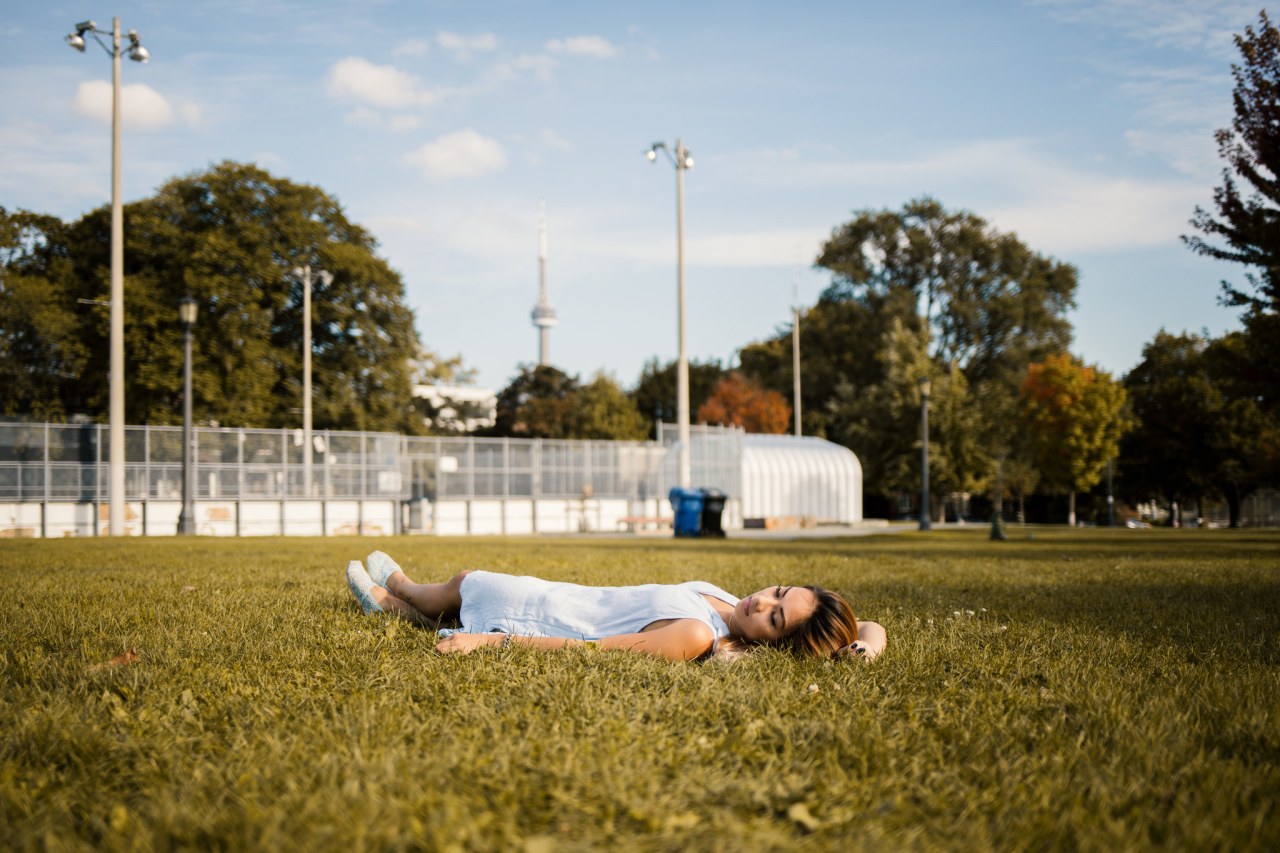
(544,315)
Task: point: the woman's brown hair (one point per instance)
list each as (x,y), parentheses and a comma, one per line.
(832,626)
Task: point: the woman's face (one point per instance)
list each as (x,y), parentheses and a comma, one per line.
(773,613)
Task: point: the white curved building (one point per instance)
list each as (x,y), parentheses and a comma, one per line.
(785,476)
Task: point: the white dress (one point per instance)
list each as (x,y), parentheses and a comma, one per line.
(539,608)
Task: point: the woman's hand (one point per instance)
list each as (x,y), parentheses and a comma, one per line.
(467,643)
(870,643)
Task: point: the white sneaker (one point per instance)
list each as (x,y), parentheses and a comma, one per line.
(359,582)
(381,568)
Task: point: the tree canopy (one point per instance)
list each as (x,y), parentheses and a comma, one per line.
(41,351)
(737,401)
(542,401)
(655,392)
(235,238)
(1075,416)
(988,302)
(922,292)
(1197,434)
(1246,227)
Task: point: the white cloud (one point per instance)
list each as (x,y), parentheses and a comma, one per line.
(380,85)
(412,47)
(464,47)
(550,139)
(1079,213)
(1190,152)
(776,248)
(141,107)
(463,154)
(268,159)
(539,64)
(592,46)
(191,113)
(1206,26)
(363,117)
(1055,206)
(401,123)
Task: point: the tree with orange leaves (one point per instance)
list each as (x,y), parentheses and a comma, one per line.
(738,401)
(1075,416)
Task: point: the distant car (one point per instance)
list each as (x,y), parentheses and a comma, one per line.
(1135,524)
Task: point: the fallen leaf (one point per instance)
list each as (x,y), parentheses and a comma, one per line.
(800,814)
(119,660)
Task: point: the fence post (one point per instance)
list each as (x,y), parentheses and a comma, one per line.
(44,505)
(97,479)
(506,480)
(535,490)
(239,477)
(284,487)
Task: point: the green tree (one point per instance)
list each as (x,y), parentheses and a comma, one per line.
(41,356)
(980,302)
(988,302)
(605,411)
(1075,417)
(233,237)
(655,392)
(840,347)
(447,413)
(430,368)
(880,421)
(540,402)
(959,462)
(1244,230)
(1199,431)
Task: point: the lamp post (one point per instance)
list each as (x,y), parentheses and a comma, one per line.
(137,53)
(682,160)
(304,273)
(926,523)
(795,364)
(187,518)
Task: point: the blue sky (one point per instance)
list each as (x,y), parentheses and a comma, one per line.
(1083,125)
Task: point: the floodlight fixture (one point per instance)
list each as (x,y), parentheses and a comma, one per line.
(137,52)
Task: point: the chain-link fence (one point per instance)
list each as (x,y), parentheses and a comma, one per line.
(69,462)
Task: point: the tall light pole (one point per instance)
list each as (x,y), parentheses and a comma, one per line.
(304,273)
(795,362)
(926,523)
(682,160)
(137,53)
(187,518)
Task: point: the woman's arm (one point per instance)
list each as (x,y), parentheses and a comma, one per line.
(680,639)
(871,640)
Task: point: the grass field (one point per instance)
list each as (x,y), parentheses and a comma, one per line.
(1094,690)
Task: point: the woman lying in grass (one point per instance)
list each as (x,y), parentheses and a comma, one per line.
(678,622)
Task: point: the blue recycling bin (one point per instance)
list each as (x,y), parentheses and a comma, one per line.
(687,506)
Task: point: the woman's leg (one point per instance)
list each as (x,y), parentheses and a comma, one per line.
(436,602)
(390,604)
